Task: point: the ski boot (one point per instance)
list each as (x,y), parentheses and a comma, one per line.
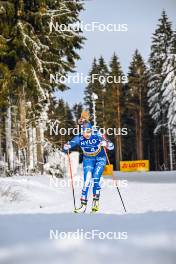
(82,208)
(95,203)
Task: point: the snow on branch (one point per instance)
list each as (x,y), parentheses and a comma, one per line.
(37,46)
(41,91)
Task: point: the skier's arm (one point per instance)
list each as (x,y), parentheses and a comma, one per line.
(106,142)
(71,144)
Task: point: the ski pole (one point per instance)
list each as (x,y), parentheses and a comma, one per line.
(71,176)
(115,181)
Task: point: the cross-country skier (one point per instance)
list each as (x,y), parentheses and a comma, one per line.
(92,143)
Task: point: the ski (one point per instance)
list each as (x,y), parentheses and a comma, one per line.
(95,209)
(95,203)
(82,209)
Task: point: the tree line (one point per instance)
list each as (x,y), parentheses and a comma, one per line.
(145,104)
(29,52)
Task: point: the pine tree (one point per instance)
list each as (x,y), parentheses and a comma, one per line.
(169,87)
(31,49)
(97,85)
(159,52)
(77,110)
(137,102)
(60,119)
(90,87)
(169,100)
(100,90)
(114,106)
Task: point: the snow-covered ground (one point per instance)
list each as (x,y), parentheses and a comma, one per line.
(35,210)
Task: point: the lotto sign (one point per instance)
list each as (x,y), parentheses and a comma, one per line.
(135,165)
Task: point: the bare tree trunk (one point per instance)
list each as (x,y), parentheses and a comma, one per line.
(139,142)
(118,149)
(34,146)
(164,144)
(137,134)
(40,160)
(155,153)
(23,132)
(140,135)
(119,125)
(30,148)
(117,153)
(0,138)
(22,114)
(8,136)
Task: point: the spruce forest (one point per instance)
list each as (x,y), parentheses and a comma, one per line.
(30,52)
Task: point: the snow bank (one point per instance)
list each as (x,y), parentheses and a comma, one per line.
(26,239)
(58,165)
(46,194)
(42,206)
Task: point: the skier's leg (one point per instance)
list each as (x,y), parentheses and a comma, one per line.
(88,167)
(98,170)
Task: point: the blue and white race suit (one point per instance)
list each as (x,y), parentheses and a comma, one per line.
(94,160)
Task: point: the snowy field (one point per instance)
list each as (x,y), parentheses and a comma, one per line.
(33,208)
